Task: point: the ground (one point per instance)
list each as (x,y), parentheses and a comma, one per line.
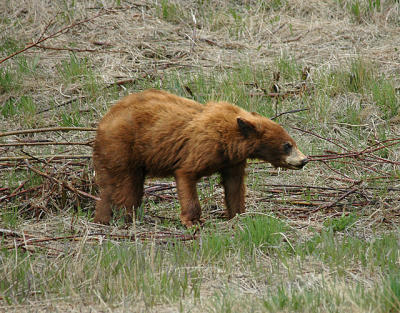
(324,239)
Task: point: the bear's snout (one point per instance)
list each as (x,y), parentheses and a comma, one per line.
(296,159)
(304,162)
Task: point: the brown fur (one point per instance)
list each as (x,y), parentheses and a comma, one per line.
(154,133)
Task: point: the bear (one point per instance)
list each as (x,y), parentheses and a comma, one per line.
(157,134)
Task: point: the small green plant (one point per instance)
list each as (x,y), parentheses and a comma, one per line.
(391,293)
(360,76)
(10,45)
(288,67)
(170,12)
(341,223)
(355,9)
(272,5)
(7,81)
(362,10)
(385,97)
(24,105)
(74,69)
(69,10)
(71,119)
(261,232)
(26,66)
(11,217)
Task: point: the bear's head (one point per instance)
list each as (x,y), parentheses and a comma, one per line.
(270,142)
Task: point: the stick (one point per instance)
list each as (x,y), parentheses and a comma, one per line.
(52,36)
(61,104)
(329,205)
(295,39)
(320,137)
(49,129)
(41,143)
(143,236)
(79,50)
(288,112)
(19,193)
(53,157)
(12,233)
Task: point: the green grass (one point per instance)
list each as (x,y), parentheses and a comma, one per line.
(170,11)
(23,106)
(342,223)
(7,81)
(150,274)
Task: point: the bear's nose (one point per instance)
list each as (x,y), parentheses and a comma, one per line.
(304,162)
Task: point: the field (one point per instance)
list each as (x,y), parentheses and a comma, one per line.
(323,239)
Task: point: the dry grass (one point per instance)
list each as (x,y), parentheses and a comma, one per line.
(203,50)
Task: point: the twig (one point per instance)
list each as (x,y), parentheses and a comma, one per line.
(288,112)
(132,237)
(62,183)
(49,129)
(320,137)
(296,38)
(61,104)
(52,157)
(48,25)
(79,50)
(19,193)
(44,143)
(7,232)
(329,205)
(59,32)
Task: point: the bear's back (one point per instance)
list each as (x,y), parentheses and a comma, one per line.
(150,107)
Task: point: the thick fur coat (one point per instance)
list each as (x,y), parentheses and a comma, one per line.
(154,133)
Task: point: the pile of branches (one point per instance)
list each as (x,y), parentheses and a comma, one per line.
(344,193)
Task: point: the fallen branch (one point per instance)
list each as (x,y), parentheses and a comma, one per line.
(32,241)
(7,232)
(61,104)
(19,193)
(44,143)
(329,205)
(52,157)
(49,129)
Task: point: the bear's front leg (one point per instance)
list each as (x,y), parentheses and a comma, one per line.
(188,198)
(235,189)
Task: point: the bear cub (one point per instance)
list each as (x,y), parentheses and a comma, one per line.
(154,133)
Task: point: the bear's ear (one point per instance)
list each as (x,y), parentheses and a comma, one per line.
(246,127)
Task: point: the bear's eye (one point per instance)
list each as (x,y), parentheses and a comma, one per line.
(287,147)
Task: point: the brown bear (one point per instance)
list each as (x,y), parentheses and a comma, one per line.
(155,133)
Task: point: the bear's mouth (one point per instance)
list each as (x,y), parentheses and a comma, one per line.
(293,166)
(297,166)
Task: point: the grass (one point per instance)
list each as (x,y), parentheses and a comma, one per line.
(256,254)
(286,254)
